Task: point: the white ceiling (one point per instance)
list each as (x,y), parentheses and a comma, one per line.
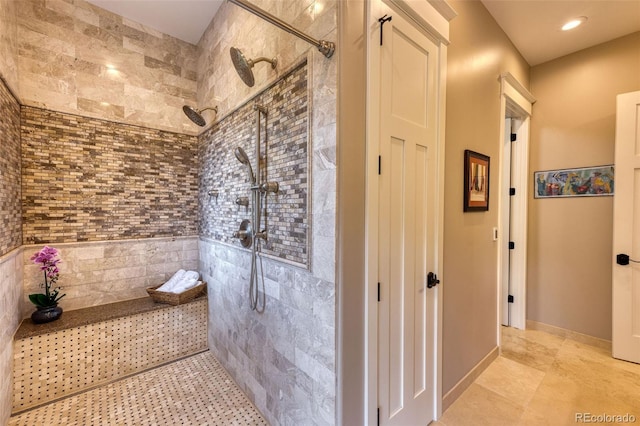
(183,19)
(532,25)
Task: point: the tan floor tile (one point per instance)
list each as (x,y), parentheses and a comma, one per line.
(479,406)
(560,398)
(610,383)
(546,379)
(534,348)
(520,384)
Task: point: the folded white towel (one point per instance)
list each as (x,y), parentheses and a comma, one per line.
(188,280)
(175,279)
(185,285)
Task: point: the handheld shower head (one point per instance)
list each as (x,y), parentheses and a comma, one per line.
(244,159)
(195,115)
(244,66)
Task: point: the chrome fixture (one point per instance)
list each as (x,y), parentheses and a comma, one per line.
(244,159)
(242,201)
(244,66)
(325,47)
(270,187)
(214,193)
(195,115)
(253,233)
(244,233)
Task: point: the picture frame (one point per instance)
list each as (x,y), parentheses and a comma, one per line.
(476,181)
(594,181)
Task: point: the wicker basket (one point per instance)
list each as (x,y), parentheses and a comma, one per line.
(177,299)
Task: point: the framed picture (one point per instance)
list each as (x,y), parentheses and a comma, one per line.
(476,182)
(581,182)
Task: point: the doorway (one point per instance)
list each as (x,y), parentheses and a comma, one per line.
(405,198)
(516,106)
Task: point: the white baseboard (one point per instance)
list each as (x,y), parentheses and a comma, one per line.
(470,377)
(570,334)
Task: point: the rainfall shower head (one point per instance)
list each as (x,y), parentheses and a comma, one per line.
(195,115)
(244,66)
(244,159)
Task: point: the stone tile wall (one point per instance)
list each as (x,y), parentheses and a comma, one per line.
(286,162)
(86,179)
(110,271)
(9,44)
(10,316)
(284,358)
(75,57)
(10,208)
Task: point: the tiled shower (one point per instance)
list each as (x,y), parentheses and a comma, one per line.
(98,159)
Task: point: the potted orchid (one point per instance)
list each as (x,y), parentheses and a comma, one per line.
(47,303)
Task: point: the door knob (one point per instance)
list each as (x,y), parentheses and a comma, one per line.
(432,280)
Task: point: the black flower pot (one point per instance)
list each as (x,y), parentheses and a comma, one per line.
(48,314)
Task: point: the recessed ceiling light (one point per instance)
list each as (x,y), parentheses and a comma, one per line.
(574,23)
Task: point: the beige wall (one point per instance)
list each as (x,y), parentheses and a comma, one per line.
(573,125)
(479,52)
(9,44)
(351,240)
(64,52)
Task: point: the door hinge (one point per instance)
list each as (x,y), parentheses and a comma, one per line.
(378,292)
(513,137)
(512,191)
(378,422)
(510,299)
(379,164)
(512,245)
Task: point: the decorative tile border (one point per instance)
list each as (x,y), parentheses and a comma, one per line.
(287,162)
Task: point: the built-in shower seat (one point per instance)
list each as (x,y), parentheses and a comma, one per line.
(89,347)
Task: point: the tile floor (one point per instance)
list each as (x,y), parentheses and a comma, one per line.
(543,379)
(192,391)
(539,379)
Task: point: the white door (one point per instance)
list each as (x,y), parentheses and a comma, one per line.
(626,229)
(407,224)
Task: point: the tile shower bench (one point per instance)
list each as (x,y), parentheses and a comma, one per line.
(89,347)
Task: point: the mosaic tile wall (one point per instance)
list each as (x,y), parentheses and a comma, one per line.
(85,356)
(105,272)
(86,179)
(284,358)
(10,316)
(285,148)
(10,208)
(77,58)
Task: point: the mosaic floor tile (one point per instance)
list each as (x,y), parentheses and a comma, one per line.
(192,391)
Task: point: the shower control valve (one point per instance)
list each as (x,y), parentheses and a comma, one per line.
(270,187)
(242,201)
(244,233)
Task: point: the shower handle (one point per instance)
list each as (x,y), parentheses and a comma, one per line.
(266,187)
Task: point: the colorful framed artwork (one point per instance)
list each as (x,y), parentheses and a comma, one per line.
(476,181)
(581,182)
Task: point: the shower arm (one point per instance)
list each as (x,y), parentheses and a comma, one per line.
(325,47)
(272,61)
(214,108)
